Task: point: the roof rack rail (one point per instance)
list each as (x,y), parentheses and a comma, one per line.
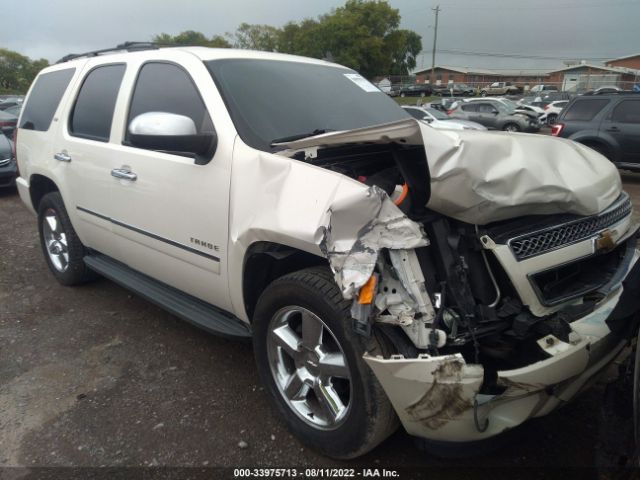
(127,46)
(618,92)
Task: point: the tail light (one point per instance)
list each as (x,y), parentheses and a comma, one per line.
(557,129)
(546,107)
(449,112)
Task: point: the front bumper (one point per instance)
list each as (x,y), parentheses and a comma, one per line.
(437,397)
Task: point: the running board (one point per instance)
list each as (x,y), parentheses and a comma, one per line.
(185,306)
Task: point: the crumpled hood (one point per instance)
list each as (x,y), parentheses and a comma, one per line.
(483,177)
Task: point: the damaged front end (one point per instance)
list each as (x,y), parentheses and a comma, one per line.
(502,297)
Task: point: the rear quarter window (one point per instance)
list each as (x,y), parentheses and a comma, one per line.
(44,99)
(585,110)
(627,111)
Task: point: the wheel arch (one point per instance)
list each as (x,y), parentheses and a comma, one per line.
(39,186)
(265,262)
(606,147)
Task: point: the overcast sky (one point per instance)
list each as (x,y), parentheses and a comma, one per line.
(553,29)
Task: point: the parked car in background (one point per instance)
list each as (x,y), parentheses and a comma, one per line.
(417,90)
(495,115)
(608,123)
(7,121)
(15,110)
(454,90)
(538,111)
(394,91)
(8,169)
(499,88)
(543,88)
(11,101)
(440,120)
(552,110)
(529,110)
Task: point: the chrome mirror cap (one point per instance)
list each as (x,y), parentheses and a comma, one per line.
(162,124)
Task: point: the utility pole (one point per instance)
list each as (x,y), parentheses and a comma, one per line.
(433,53)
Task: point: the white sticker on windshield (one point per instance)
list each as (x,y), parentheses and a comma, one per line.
(362,82)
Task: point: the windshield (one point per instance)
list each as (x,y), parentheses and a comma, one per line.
(271,100)
(437,114)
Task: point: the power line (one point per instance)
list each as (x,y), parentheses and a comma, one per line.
(519,56)
(549,8)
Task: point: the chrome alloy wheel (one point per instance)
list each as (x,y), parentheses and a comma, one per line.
(309,367)
(55,240)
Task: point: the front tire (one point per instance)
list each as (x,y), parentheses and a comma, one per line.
(310,361)
(62,249)
(483,93)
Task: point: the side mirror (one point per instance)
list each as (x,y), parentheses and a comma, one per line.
(173,133)
(8,131)
(495,112)
(427,119)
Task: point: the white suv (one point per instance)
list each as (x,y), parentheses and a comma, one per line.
(460,282)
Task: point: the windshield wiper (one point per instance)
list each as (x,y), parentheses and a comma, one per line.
(300,136)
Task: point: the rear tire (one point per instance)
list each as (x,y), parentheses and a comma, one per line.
(511,127)
(292,365)
(62,249)
(483,93)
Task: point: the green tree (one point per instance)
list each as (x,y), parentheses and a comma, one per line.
(362,34)
(257,37)
(17,71)
(190,37)
(365,35)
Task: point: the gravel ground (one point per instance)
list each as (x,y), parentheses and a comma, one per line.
(95,376)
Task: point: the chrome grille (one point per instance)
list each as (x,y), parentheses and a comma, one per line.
(536,243)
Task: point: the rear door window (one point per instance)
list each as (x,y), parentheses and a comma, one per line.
(585,110)
(44,99)
(486,108)
(469,107)
(627,111)
(93,112)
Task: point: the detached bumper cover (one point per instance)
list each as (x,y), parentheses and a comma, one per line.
(437,397)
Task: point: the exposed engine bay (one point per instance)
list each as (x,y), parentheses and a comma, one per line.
(451,293)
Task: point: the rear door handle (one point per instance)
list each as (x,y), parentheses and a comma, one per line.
(62,157)
(124,173)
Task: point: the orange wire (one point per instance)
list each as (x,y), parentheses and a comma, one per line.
(403,195)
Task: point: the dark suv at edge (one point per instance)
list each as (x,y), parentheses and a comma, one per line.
(608,123)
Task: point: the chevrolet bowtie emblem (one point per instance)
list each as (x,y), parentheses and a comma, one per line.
(605,241)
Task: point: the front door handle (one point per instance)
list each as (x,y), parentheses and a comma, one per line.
(62,157)
(124,173)
(613,129)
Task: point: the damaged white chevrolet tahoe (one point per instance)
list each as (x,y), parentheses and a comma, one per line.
(460,282)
